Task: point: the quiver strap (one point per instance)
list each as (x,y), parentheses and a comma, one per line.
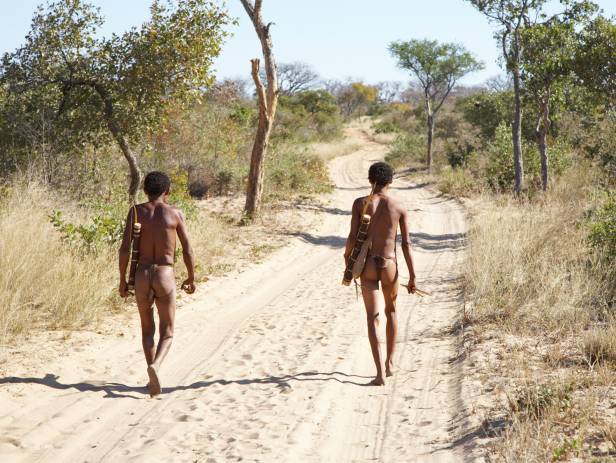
(134,255)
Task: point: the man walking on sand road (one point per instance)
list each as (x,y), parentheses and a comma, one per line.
(381,264)
(155,278)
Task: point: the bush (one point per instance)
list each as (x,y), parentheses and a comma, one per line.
(385,126)
(534,400)
(530,269)
(602,226)
(103,231)
(458,182)
(407,148)
(290,170)
(500,170)
(308,116)
(44,283)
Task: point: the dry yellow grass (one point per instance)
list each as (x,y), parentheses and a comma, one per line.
(47,285)
(532,277)
(599,344)
(331,150)
(530,268)
(42,284)
(351,140)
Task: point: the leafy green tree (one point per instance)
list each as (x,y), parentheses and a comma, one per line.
(595,62)
(437,67)
(547,67)
(487,110)
(122,85)
(512,17)
(355,98)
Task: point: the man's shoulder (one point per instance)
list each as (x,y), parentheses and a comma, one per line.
(358,202)
(395,204)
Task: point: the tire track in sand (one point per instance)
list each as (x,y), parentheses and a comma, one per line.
(271,365)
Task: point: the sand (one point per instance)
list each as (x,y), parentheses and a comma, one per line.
(269,365)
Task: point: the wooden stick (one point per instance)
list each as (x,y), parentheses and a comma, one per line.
(419,292)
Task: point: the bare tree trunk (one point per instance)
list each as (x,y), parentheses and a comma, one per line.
(430,139)
(516,132)
(268,101)
(116,131)
(255,177)
(133,167)
(543,125)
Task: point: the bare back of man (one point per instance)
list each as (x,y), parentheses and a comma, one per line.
(381,268)
(155,277)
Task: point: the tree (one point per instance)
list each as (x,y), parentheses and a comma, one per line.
(122,85)
(511,18)
(296,77)
(595,63)
(437,67)
(355,98)
(389,91)
(546,67)
(267,99)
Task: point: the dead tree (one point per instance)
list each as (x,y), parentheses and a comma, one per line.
(267,99)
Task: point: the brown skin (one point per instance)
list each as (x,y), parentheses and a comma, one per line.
(383,230)
(160,222)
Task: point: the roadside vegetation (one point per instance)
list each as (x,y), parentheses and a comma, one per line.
(540,279)
(64,171)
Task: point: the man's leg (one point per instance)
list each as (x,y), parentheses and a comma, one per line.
(390,293)
(164,287)
(145,301)
(369,291)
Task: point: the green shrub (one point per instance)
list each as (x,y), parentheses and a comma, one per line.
(104,230)
(407,148)
(534,400)
(457,182)
(385,126)
(602,225)
(290,170)
(500,170)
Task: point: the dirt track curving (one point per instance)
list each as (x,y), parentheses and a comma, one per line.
(270,365)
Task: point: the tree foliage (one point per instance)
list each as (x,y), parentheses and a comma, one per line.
(120,85)
(437,67)
(596,60)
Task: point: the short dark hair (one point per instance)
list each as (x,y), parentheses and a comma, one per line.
(156,183)
(381,174)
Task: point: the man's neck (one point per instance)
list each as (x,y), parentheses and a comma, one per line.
(383,190)
(159,200)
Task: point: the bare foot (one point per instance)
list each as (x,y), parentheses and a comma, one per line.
(389,368)
(154,383)
(378,381)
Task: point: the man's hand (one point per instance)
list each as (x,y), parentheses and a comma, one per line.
(123,289)
(411,286)
(189,285)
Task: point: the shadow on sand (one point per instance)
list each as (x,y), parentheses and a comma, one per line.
(119,390)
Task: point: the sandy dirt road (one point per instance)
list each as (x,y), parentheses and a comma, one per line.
(270,365)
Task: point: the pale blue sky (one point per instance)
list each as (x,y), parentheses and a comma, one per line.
(340,38)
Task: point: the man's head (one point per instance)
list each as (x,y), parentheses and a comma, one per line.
(156,184)
(380,174)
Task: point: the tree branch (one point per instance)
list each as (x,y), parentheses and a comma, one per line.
(263,103)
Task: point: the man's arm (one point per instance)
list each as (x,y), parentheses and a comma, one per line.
(124,254)
(187,255)
(406,249)
(354,228)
